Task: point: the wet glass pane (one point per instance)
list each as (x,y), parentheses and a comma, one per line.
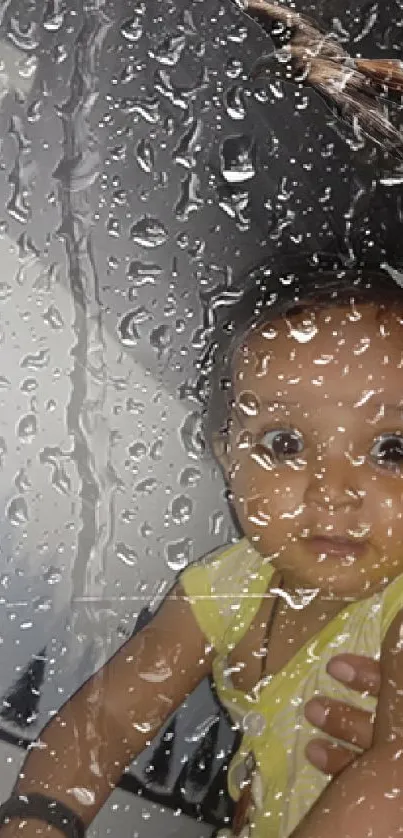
(146,170)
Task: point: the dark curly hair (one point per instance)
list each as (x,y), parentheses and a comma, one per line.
(266,293)
(364,91)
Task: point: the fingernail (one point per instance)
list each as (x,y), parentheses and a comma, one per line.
(317,754)
(315,713)
(342,671)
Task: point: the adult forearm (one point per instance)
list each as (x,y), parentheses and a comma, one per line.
(365,800)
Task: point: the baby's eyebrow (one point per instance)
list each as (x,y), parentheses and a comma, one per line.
(396,408)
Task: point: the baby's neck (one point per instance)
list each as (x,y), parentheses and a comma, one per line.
(313,601)
(310,615)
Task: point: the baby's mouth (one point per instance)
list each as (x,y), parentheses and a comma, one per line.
(336,545)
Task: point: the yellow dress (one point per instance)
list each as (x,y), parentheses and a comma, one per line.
(225,590)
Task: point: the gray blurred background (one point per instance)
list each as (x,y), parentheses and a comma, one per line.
(141,173)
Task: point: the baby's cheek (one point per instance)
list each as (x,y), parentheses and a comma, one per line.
(257,510)
(386,511)
(277,503)
(243,474)
(389,526)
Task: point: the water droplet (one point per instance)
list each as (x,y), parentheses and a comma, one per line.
(143,273)
(29,385)
(238,33)
(3,450)
(126,554)
(135,407)
(145,155)
(178,96)
(237,159)
(147,486)
(161,339)
(113,227)
(127,331)
(191,435)
(83,795)
(190,477)
(156,449)
(60,480)
(302,333)
(132,29)
(52,576)
(43,604)
(53,318)
(179,554)
(17,511)
(216,523)
(237,206)
(392,180)
(128,516)
(169,50)
(128,73)
(27,625)
(234,101)
(22,482)
(37,361)
(145,529)
(27,428)
(234,68)
(5,291)
(27,66)
(137,450)
(188,146)
(181,509)
(3,228)
(189,199)
(149,232)
(118,152)
(54,16)
(22,33)
(367,19)
(47,279)
(148,109)
(187,24)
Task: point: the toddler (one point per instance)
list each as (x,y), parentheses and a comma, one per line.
(305,419)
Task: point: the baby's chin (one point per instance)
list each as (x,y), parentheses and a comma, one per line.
(333,578)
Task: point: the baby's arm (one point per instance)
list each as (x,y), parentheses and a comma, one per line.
(366,799)
(114,715)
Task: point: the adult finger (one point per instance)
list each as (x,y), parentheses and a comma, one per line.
(360,673)
(331,758)
(340,720)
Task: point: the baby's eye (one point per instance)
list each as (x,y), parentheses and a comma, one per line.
(389,451)
(284,444)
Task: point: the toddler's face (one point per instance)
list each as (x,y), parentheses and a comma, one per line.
(315,447)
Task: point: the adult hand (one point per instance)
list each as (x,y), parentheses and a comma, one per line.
(338,718)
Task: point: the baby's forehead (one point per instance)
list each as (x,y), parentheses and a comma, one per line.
(323,336)
(339,350)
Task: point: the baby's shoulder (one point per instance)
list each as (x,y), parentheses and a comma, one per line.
(226,570)
(391,604)
(224,586)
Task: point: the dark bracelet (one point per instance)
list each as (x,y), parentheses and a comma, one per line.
(43,808)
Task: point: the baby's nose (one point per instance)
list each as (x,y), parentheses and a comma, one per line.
(334,482)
